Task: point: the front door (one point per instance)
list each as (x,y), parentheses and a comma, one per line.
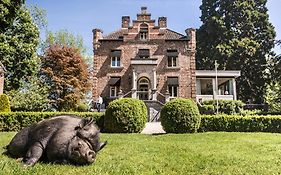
(143,89)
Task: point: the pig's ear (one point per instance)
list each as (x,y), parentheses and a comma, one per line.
(85,122)
(102,145)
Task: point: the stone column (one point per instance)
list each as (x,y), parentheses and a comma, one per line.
(234,89)
(134,89)
(167,96)
(214,88)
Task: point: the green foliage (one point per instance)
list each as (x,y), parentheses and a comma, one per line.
(126,115)
(273,97)
(5,103)
(180,116)
(239,36)
(207,109)
(65,72)
(32,96)
(14,121)
(8,9)
(64,38)
(83,107)
(226,106)
(238,123)
(18,41)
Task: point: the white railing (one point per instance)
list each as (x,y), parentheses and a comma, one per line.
(201,98)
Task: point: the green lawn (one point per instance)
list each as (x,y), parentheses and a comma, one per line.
(202,153)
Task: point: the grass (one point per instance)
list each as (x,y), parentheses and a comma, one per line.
(201,153)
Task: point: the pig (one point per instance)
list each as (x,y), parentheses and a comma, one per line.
(61,139)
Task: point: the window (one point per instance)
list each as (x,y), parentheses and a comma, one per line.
(143,32)
(115,58)
(143,53)
(173,84)
(114,84)
(114,91)
(173,91)
(115,61)
(172,58)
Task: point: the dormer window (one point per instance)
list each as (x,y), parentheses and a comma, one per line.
(143,32)
(143,53)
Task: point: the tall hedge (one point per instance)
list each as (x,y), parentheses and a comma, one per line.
(237,123)
(126,115)
(14,121)
(180,116)
(4,103)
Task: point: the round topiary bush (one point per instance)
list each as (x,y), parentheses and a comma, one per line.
(126,115)
(5,103)
(180,116)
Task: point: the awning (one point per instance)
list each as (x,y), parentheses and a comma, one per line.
(114,81)
(173,81)
(116,53)
(172,53)
(143,52)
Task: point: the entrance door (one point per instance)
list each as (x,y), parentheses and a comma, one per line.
(143,89)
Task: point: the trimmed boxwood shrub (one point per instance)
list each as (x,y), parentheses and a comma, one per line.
(180,116)
(237,123)
(126,115)
(5,103)
(14,121)
(225,106)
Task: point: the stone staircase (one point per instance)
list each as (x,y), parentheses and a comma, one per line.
(153,110)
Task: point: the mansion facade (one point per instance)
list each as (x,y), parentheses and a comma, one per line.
(151,62)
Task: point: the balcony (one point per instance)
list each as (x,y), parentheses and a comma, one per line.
(146,61)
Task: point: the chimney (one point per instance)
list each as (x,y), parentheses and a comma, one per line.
(125,21)
(162,22)
(97,35)
(191,35)
(143,10)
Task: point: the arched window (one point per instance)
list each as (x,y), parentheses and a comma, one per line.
(143,32)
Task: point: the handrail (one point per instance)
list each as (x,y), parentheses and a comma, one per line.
(161,94)
(127,94)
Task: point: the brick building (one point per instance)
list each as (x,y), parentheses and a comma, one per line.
(144,60)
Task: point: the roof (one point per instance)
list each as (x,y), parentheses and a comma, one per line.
(220,73)
(168,35)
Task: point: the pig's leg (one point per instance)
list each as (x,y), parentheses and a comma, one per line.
(33,154)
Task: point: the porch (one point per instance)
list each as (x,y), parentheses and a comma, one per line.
(212,85)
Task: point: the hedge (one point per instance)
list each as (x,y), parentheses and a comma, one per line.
(180,116)
(125,115)
(237,123)
(14,121)
(4,103)
(224,106)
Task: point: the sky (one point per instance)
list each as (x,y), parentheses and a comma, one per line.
(81,16)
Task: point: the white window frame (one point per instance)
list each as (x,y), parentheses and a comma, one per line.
(174,59)
(115,89)
(114,62)
(172,95)
(143,35)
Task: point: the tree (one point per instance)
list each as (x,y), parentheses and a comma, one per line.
(63,38)
(18,41)
(65,72)
(8,13)
(239,36)
(31,96)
